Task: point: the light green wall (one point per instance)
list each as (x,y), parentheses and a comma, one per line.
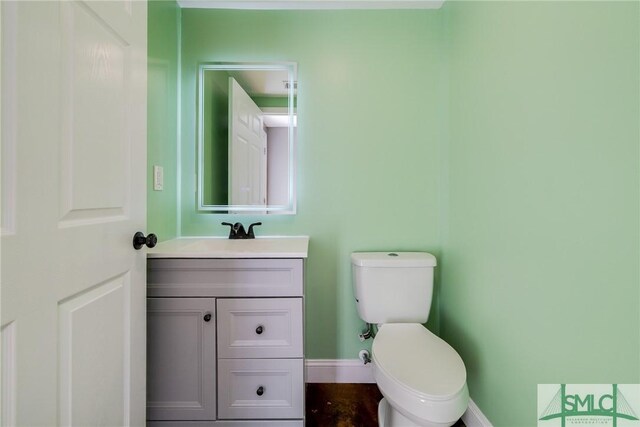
(271,101)
(215,106)
(540,267)
(162,116)
(369,133)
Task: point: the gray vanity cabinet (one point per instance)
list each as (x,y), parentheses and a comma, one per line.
(225,342)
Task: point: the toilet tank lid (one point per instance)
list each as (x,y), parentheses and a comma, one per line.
(393,259)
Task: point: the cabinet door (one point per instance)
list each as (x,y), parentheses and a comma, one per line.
(181,364)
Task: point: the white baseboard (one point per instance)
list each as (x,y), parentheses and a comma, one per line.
(354,371)
(338,371)
(474,417)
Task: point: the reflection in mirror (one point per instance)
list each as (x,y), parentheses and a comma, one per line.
(246,138)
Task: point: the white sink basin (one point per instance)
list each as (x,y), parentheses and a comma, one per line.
(218,247)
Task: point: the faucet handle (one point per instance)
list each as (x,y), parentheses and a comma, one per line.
(232,231)
(250,234)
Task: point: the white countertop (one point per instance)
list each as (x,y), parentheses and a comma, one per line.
(222,247)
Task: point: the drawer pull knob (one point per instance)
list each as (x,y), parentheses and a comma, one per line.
(259,329)
(260,391)
(207,317)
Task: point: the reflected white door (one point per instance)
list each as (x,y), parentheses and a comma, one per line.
(264,172)
(247,149)
(73,287)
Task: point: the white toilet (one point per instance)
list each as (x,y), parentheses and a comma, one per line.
(422,378)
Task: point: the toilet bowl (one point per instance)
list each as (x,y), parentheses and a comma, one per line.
(422,379)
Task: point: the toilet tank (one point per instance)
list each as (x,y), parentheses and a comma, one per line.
(393,287)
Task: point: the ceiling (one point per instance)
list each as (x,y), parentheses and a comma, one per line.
(262,82)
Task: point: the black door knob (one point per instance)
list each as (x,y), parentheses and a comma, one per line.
(260,391)
(207,317)
(259,329)
(139,240)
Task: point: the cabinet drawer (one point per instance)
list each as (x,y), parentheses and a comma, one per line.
(260,388)
(224,277)
(260,328)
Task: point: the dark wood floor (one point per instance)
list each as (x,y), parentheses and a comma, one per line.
(344,405)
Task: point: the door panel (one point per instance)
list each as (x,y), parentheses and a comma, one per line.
(83,352)
(9,369)
(95,129)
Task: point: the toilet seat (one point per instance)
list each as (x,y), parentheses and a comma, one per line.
(420,374)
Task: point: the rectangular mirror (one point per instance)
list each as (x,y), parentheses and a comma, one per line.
(246,138)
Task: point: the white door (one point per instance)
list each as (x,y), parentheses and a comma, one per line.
(73,287)
(247,149)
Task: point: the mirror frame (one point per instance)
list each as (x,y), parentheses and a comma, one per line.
(290,207)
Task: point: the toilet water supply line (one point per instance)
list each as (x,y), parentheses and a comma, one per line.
(366,333)
(364,356)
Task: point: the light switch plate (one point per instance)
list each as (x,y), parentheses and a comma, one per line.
(158,178)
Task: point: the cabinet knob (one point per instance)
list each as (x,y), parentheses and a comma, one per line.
(260,391)
(207,317)
(259,329)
